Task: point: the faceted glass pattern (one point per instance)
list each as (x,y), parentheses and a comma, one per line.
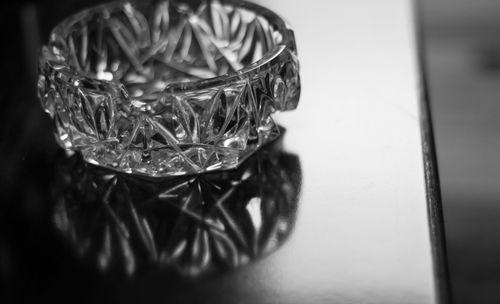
(191,225)
(161,88)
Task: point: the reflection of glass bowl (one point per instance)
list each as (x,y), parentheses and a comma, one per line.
(194,225)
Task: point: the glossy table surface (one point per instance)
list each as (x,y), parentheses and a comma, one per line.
(342,209)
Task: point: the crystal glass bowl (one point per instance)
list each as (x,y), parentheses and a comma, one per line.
(162,88)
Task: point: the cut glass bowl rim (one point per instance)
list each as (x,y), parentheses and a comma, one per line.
(269,59)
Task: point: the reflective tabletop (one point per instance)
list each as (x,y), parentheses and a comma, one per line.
(342,208)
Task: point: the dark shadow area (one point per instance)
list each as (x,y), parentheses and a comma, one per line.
(91,231)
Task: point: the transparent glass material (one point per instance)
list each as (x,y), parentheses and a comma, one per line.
(161,88)
(192,225)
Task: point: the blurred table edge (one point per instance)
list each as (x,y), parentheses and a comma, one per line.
(433,190)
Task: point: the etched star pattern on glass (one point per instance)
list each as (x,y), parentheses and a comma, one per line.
(192,225)
(160,88)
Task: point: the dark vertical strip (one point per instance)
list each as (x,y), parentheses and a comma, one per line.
(433,193)
(31,40)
